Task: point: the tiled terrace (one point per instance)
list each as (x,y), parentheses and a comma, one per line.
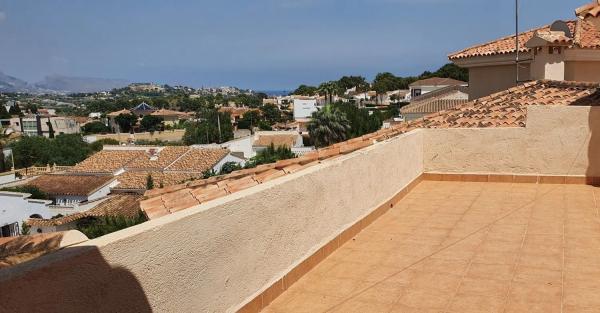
(465,247)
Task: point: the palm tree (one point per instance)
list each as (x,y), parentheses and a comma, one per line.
(328,126)
(328,89)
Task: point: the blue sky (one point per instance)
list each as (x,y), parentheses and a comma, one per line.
(260,44)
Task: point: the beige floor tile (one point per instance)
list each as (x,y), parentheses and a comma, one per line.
(465,247)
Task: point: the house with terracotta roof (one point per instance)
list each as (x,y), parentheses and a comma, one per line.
(435,101)
(70,191)
(424,86)
(124,205)
(563,50)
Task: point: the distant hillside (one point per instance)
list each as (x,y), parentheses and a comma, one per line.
(66,84)
(12,84)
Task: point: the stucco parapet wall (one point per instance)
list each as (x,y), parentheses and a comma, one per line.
(217,255)
(557,140)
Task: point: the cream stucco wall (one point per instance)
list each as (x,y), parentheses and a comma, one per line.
(214,257)
(586,71)
(556,141)
(486,80)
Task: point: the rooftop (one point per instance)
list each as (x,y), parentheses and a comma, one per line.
(438,81)
(70,185)
(585,36)
(464,247)
(118,205)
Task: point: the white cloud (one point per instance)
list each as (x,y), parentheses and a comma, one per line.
(2,16)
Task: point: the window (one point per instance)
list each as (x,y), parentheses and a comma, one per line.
(10,230)
(416,92)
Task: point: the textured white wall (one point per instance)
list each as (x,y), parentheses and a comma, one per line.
(556,141)
(214,257)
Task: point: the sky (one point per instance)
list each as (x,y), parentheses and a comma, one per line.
(256,44)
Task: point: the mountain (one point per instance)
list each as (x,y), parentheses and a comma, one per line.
(13,84)
(68,84)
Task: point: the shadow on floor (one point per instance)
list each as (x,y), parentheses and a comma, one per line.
(76,279)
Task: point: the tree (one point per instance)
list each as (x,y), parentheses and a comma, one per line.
(271,113)
(329,89)
(50,129)
(328,126)
(65,149)
(149,182)
(98,145)
(269,155)
(249,120)
(3,113)
(94,227)
(304,90)
(229,167)
(126,122)
(15,110)
(349,82)
(151,122)
(449,70)
(35,192)
(207,129)
(25,228)
(95,128)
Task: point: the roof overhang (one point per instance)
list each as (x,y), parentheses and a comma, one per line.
(493,60)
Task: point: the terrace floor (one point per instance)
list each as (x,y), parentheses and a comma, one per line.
(465,247)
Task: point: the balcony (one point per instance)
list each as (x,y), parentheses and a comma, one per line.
(446,219)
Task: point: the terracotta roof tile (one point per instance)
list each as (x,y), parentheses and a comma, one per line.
(107,161)
(504,45)
(73,185)
(118,205)
(240,184)
(198,160)
(136,180)
(588,10)
(159,159)
(268,175)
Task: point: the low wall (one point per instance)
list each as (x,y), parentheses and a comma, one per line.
(557,141)
(167,135)
(215,257)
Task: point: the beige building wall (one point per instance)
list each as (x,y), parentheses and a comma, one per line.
(556,141)
(585,71)
(214,257)
(486,80)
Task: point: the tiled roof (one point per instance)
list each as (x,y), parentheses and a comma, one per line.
(108,161)
(198,160)
(506,45)
(287,140)
(118,205)
(437,81)
(589,10)
(433,102)
(73,185)
(136,180)
(165,112)
(117,113)
(503,109)
(163,158)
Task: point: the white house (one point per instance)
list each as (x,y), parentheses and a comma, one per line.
(16,207)
(69,191)
(423,86)
(304,107)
